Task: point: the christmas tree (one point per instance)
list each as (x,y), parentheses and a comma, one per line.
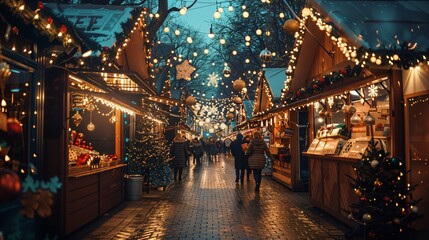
(148,155)
(386,206)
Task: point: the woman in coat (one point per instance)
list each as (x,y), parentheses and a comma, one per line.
(240,160)
(179,151)
(256,156)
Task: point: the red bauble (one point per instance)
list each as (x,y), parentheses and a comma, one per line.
(40,5)
(363,199)
(298,93)
(13,127)
(10,185)
(386,199)
(315,87)
(322,80)
(343,72)
(50,20)
(63,29)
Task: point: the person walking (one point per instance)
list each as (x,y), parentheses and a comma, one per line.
(227,143)
(211,149)
(256,155)
(179,151)
(197,150)
(238,153)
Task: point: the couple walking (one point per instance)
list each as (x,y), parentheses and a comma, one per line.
(251,154)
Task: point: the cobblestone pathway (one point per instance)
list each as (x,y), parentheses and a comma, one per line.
(208,204)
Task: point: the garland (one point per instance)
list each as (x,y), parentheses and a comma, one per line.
(319,84)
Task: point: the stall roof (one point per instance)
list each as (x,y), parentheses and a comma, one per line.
(275,78)
(100,23)
(248,108)
(379,24)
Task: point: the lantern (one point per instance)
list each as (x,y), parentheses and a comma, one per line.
(355,119)
(237,100)
(226,71)
(238,84)
(265,55)
(190,101)
(291,26)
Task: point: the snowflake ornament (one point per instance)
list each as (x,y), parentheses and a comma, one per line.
(213,79)
(373,91)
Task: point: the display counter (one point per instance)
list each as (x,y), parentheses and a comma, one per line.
(329,184)
(92,193)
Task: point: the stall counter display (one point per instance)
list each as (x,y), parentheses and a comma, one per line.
(329,140)
(82,157)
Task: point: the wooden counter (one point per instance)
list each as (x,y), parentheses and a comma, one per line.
(92,193)
(329,185)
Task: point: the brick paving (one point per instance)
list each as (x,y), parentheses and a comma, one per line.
(208,204)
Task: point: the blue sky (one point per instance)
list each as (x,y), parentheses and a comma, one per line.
(200,15)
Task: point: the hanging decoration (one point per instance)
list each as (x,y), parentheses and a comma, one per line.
(184,70)
(90,125)
(10,185)
(77,118)
(190,100)
(237,100)
(291,26)
(213,80)
(265,55)
(238,84)
(113,118)
(230,116)
(373,91)
(368,119)
(226,71)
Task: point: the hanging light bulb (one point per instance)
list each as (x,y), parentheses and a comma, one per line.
(177,32)
(222,41)
(258,32)
(231,8)
(166,29)
(206,51)
(183,11)
(189,40)
(245,14)
(211,34)
(216,15)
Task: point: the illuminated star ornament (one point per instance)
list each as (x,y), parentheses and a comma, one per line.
(184,71)
(373,91)
(213,79)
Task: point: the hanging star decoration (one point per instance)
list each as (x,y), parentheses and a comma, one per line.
(373,91)
(184,71)
(213,79)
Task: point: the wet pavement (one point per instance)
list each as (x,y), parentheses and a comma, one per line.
(208,204)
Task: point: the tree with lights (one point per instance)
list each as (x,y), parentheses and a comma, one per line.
(148,155)
(386,207)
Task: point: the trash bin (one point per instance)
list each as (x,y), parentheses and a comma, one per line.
(134,186)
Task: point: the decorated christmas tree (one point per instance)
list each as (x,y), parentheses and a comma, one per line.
(386,206)
(148,155)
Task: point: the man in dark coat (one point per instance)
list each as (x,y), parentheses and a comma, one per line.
(239,157)
(179,151)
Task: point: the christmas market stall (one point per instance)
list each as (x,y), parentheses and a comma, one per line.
(281,127)
(29,191)
(95,112)
(344,99)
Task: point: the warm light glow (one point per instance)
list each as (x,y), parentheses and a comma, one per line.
(216,15)
(183,11)
(245,14)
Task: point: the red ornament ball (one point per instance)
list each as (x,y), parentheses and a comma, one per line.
(315,86)
(322,80)
(13,127)
(298,93)
(40,5)
(386,198)
(63,29)
(50,20)
(10,185)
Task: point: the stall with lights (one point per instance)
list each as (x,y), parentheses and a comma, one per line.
(344,91)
